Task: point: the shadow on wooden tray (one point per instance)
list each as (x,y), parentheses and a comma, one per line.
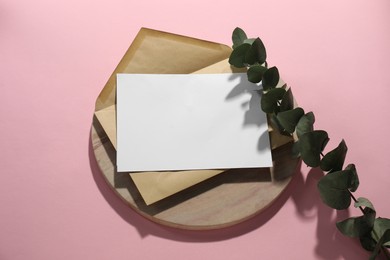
(281,157)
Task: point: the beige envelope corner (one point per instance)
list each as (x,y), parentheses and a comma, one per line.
(157,52)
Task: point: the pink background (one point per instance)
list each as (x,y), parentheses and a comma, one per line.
(55,57)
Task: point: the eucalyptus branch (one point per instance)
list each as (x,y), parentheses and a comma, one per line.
(336,187)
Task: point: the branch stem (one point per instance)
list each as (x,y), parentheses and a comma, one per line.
(384,249)
(355,200)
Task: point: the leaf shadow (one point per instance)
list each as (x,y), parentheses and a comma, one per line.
(331,244)
(252,106)
(146,227)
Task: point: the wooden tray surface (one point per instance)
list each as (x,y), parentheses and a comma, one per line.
(221,201)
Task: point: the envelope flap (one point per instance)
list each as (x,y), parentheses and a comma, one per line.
(163,53)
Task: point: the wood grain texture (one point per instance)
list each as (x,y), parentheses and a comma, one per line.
(223,200)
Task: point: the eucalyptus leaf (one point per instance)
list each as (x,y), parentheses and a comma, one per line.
(289,119)
(295,150)
(380,227)
(350,227)
(382,241)
(311,145)
(363,202)
(287,101)
(359,226)
(305,124)
(277,126)
(250,40)
(269,100)
(368,242)
(275,123)
(386,239)
(237,57)
(256,53)
(356,227)
(238,37)
(255,73)
(335,198)
(270,78)
(334,160)
(354,177)
(334,189)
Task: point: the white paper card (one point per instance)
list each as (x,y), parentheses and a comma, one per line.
(188,122)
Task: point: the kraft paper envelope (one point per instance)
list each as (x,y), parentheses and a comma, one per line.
(157,52)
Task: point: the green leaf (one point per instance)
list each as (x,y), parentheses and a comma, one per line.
(380,227)
(359,226)
(386,238)
(305,124)
(382,241)
(295,150)
(250,40)
(269,100)
(255,73)
(277,126)
(355,227)
(256,53)
(334,198)
(287,101)
(334,189)
(238,37)
(275,123)
(367,242)
(237,57)
(311,144)
(363,202)
(351,227)
(334,160)
(354,177)
(270,78)
(289,119)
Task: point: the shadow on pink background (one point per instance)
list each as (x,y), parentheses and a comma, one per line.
(330,243)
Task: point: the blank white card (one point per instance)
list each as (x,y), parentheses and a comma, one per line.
(188,122)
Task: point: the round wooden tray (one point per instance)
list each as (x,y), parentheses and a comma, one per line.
(223,200)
